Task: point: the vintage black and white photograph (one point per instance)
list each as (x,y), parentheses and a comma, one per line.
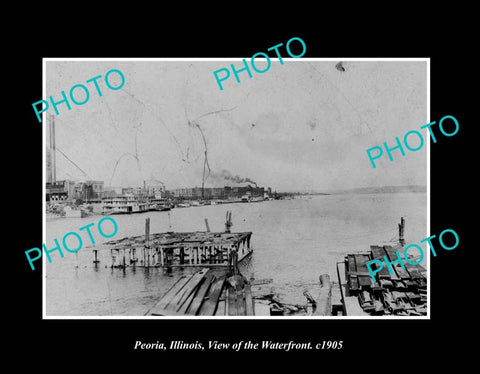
(214,188)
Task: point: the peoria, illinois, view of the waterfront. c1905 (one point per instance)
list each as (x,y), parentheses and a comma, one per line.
(278,160)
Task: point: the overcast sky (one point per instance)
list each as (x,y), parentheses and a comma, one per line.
(303,125)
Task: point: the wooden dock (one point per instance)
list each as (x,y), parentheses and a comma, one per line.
(183,249)
(207,293)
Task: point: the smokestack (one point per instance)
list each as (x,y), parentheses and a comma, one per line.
(53,165)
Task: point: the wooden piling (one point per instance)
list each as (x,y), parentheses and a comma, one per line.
(401,231)
(324,298)
(134,259)
(147,231)
(228,222)
(249,304)
(147,240)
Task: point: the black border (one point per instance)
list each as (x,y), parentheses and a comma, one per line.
(99,339)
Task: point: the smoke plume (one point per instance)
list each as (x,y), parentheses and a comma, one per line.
(225,176)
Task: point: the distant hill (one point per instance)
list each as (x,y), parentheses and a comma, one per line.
(383,189)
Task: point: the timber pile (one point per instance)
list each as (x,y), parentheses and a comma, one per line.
(402,293)
(206,293)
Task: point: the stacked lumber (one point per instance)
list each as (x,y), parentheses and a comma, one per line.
(401,292)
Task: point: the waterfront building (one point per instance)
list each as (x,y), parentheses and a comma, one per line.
(226,192)
(97,188)
(127,191)
(88,190)
(59,191)
(155,189)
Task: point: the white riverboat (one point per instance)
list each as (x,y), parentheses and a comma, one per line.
(125,204)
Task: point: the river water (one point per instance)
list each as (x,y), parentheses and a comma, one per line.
(294,242)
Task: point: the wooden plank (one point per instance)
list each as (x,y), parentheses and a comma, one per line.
(352,307)
(240,295)
(401,272)
(376,287)
(352,267)
(365,301)
(164,312)
(366,296)
(232,302)
(390,302)
(181,297)
(399,285)
(377,251)
(421,269)
(182,309)
(359,273)
(414,297)
(226,293)
(236,286)
(398,295)
(377,254)
(336,298)
(377,303)
(169,295)
(249,304)
(386,283)
(209,306)
(220,308)
(360,261)
(368,308)
(413,270)
(200,295)
(422,282)
(394,275)
(421,309)
(352,279)
(342,282)
(324,297)
(411,284)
